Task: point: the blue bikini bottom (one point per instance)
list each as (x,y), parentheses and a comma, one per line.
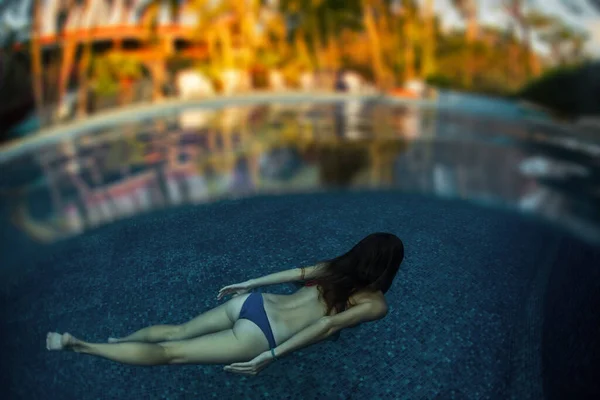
(253,310)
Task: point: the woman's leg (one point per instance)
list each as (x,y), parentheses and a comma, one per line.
(242,343)
(152,334)
(127,353)
(218,319)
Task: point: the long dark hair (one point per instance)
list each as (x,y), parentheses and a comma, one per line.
(371,264)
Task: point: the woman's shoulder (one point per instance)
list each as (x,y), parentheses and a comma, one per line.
(364,296)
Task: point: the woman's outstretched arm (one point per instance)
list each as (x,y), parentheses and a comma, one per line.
(289,275)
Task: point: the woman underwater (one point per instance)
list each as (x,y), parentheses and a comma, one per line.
(253,329)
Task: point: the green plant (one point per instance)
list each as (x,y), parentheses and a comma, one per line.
(105,83)
(109,70)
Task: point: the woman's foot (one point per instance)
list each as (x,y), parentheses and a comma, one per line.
(56,341)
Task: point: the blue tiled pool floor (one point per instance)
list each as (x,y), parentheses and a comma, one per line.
(448,333)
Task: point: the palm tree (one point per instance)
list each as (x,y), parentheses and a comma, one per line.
(526,22)
(274,35)
(36,61)
(318,25)
(337,15)
(539,22)
(370,8)
(405,23)
(248,13)
(151,12)
(215,25)
(428,40)
(578,41)
(565,43)
(468,11)
(305,26)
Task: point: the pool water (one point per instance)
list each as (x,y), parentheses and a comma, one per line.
(497,297)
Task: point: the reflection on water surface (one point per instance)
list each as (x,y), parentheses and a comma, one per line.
(200,155)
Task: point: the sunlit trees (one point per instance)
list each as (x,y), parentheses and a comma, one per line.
(387,41)
(468,11)
(316,28)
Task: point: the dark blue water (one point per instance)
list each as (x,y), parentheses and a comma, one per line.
(487,304)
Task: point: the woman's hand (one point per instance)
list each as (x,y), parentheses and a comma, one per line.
(235,289)
(253,366)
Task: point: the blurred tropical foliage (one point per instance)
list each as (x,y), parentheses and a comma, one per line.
(388,42)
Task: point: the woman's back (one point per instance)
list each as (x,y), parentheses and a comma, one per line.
(289,314)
